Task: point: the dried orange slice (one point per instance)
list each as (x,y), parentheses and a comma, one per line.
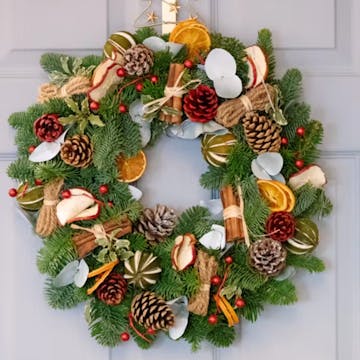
(194,35)
(277,195)
(131,169)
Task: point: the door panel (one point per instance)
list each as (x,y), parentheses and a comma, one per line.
(319,37)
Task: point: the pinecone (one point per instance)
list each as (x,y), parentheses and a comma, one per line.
(138,60)
(262,134)
(267,256)
(48,127)
(156,224)
(112,291)
(77,151)
(280,225)
(200,104)
(151,311)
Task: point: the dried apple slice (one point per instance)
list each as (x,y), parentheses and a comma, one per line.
(183,253)
(257,65)
(87,214)
(312,174)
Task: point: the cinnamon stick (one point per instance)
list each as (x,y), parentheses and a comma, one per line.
(232,214)
(85,241)
(170,83)
(177,101)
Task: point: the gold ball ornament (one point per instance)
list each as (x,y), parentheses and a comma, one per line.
(30,197)
(216,148)
(119,41)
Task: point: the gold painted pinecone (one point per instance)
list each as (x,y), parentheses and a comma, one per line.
(262,134)
(138,60)
(151,311)
(77,151)
(267,256)
(112,291)
(157,224)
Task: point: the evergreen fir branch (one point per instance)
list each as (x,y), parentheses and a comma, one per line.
(305,196)
(221,335)
(196,331)
(279,292)
(91,61)
(158,128)
(191,281)
(53,169)
(189,218)
(56,106)
(213,179)
(238,166)
(25,138)
(297,114)
(107,322)
(308,262)
(22,169)
(108,142)
(65,297)
(144,33)
(321,207)
(308,150)
(18,119)
(131,138)
(236,49)
(200,74)
(291,86)
(137,241)
(109,106)
(265,42)
(57,252)
(289,156)
(51,62)
(256,210)
(254,305)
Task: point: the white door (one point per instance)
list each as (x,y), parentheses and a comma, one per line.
(318,36)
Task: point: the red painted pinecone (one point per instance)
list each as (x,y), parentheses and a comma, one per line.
(280,226)
(200,104)
(112,291)
(48,127)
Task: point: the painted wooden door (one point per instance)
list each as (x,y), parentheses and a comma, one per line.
(318,36)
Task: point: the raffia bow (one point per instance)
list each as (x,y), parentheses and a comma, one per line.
(154,106)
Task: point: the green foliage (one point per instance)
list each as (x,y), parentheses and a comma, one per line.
(213,178)
(143,33)
(158,128)
(265,42)
(108,322)
(254,305)
(53,169)
(57,252)
(279,292)
(131,137)
(297,114)
(22,169)
(236,49)
(190,220)
(138,241)
(221,335)
(308,262)
(65,297)
(291,86)
(197,330)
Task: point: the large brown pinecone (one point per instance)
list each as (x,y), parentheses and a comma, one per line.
(112,291)
(138,60)
(48,127)
(267,256)
(200,104)
(77,151)
(151,311)
(262,134)
(157,224)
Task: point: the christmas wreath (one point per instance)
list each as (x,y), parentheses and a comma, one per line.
(140,270)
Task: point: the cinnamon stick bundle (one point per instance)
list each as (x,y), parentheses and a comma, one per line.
(175,102)
(85,241)
(232,214)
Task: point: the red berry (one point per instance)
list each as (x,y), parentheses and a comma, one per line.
(110,204)
(299,163)
(12,192)
(125,336)
(121,72)
(123,108)
(240,303)
(216,280)
(284,141)
(154,79)
(94,106)
(31,148)
(151,331)
(66,194)
(139,87)
(103,189)
(38,182)
(229,260)
(300,131)
(212,319)
(188,64)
